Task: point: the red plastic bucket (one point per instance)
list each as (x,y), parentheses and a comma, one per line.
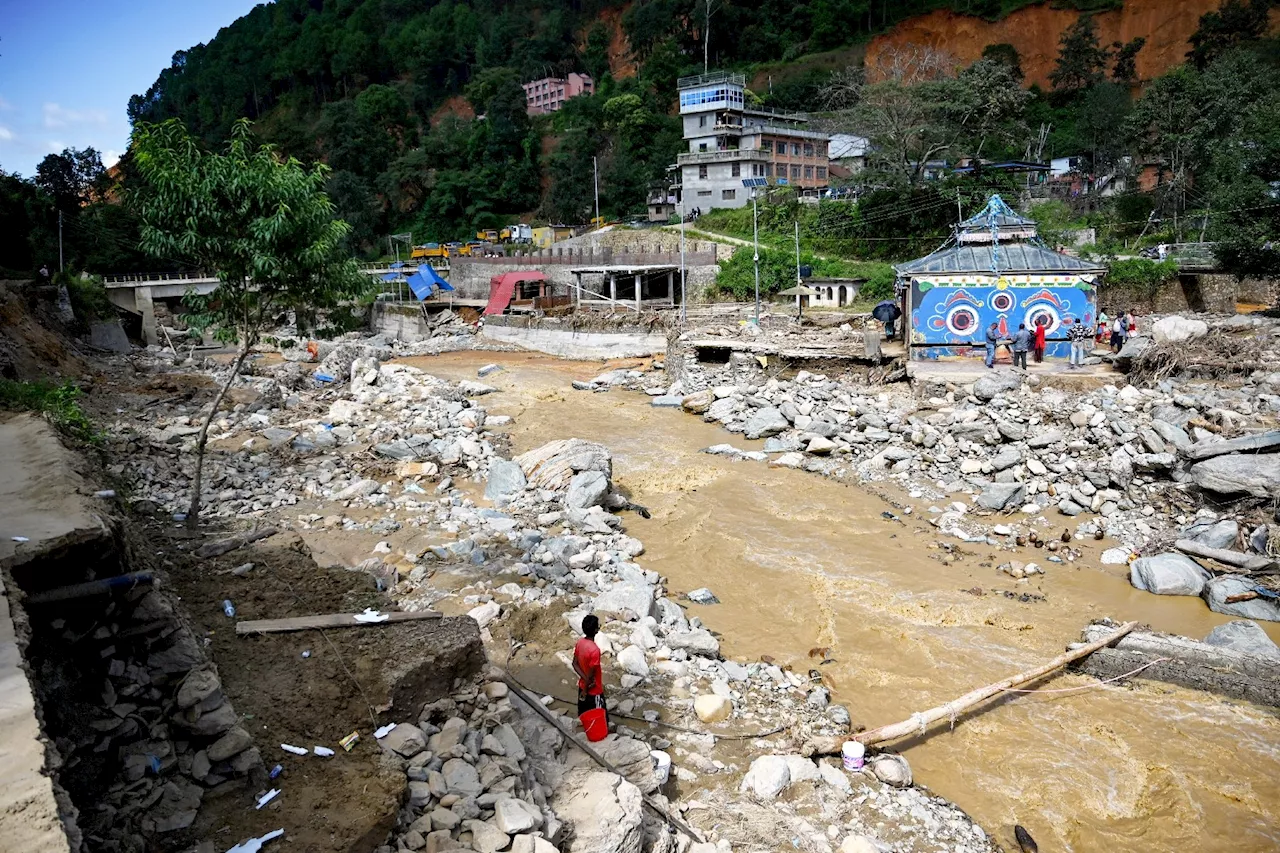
(595,724)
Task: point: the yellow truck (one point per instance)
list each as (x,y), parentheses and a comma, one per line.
(427,251)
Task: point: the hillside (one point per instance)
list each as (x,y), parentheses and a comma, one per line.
(1034,31)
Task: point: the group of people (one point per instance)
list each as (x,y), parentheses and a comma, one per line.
(1024,341)
(1116,332)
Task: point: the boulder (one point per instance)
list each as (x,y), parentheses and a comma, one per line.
(587,489)
(553,465)
(461,778)
(1168,574)
(232,743)
(1045,439)
(487,838)
(485,613)
(605,813)
(695,642)
(699,401)
(891,770)
(1217,591)
(1133,347)
(764,422)
(1120,467)
(505,480)
(712,708)
(627,596)
(835,778)
(998,496)
(768,776)
(1243,635)
(631,659)
(820,446)
(994,384)
(1234,474)
(514,816)
(1221,534)
(632,759)
(1175,329)
(859,844)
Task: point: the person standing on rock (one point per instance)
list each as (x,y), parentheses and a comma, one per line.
(1021,345)
(1118,331)
(993,338)
(586,663)
(1041,327)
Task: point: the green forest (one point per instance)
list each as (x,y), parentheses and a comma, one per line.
(417,110)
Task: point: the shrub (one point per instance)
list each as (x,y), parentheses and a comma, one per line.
(1141,274)
(60,404)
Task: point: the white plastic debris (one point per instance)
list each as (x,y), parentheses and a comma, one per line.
(384,731)
(20,539)
(268,796)
(296,750)
(323,751)
(253,845)
(371,615)
(105,493)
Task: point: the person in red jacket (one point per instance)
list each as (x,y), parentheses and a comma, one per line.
(1038,347)
(586,663)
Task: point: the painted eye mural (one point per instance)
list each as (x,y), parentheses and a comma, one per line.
(1043,307)
(1002,301)
(959,315)
(962,321)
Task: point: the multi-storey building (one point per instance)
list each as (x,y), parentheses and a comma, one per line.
(729,141)
(549,94)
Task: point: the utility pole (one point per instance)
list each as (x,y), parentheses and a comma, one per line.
(959,209)
(799,297)
(595,168)
(62,267)
(755,228)
(684,295)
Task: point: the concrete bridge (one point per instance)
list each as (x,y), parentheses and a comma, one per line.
(138,293)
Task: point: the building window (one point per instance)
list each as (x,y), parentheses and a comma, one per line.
(822,149)
(702,121)
(808,150)
(822,173)
(795,149)
(808,172)
(702,146)
(795,173)
(728,195)
(736,170)
(702,173)
(768,170)
(766,145)
(704,193)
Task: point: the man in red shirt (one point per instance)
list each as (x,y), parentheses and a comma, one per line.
(1037,347)
(586,663)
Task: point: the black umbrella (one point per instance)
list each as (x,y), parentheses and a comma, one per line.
(886,311)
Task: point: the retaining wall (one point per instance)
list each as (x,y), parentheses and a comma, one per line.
(567,343)
(1216,293)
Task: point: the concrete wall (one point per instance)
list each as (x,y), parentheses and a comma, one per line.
(567,343)
(642,241)
(1215,293)
(470,279)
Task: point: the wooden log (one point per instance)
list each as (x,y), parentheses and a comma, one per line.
(1193,664)
(919,722)
(1244,444)
(223,546)
(1248,562)
(595,756)
(333,620)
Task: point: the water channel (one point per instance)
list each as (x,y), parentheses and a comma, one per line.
(799,561)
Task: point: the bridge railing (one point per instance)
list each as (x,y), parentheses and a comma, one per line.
(1194,254)
(132,279)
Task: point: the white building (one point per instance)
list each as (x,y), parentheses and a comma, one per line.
(729,142)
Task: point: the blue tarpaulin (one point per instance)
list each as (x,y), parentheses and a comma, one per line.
(391,276)
(421,287)
(432,276)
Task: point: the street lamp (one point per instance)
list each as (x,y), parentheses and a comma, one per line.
(751,184)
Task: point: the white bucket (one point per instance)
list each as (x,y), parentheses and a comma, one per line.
(661,765)
(854,754)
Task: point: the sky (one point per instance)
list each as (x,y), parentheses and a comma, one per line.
(68,68)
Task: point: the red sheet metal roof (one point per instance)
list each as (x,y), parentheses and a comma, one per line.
(503,287)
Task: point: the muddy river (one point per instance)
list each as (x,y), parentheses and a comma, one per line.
(799,561)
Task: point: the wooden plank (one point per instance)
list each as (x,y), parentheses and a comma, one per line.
(332,620)
(223,546)
(1248,562)
(1209,449)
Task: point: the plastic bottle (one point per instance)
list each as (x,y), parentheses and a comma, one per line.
(228,608)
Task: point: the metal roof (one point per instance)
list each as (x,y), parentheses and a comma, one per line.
(997,214)
(1003,257)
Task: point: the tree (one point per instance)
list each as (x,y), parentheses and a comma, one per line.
(1007,54)
(1125,69)
(71,177)
(259,222)
(1235,22)
(1082,61)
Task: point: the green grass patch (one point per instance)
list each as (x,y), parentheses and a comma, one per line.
(60,405)
(778,272)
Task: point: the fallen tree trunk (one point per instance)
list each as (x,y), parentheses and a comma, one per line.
(917,723)
(223,546)
(1209,449)
(1192,663)
(1247,562)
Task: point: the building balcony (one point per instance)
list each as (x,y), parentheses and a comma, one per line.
(711,79)
(698,158)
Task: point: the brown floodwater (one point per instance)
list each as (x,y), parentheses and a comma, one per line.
(799,561)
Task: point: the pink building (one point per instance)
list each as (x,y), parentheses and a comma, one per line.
(549,94)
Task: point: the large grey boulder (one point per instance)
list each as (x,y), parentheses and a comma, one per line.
(1221,534)
(1044,439)
(764,422)
(994,384)
(587,489)
(605,813)
(627,597)
(1175,329)
(1120,467)
(1243,635)
(1171,433)
(1234,474)
(998,496)
(696,642)
(768,776)
(1133,347)
(505,479)
(1217,591)
(553,465)
(1168,574)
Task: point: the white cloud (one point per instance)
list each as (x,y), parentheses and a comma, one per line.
(6,135)
(53,146)
(110,157)
(56,115)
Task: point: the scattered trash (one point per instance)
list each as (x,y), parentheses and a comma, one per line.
(487,369)
(105,493)
(275,771)
(20,539)
(306,653)
(296,750)
(703,596)
(243,569)
(661,765)
(323,377)
(888,515)
(384,731)
(268,796)
(371,615)
(154,763)
(349,741)
(415,488)
(228,608)
(853,754)
(323,751)
(253,845)
(179,516)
